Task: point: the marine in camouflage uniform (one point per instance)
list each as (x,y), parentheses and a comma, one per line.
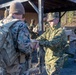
(33,28)
(20,34)
(54,42)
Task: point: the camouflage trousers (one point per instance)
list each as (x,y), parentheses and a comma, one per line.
(54,68)
(11,70)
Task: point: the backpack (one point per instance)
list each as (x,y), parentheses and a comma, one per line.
(7,49)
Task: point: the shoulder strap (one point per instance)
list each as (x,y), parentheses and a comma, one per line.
(8,25)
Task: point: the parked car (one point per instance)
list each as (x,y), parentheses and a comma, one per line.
(71,33)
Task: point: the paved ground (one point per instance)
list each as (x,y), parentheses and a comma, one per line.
(70,66)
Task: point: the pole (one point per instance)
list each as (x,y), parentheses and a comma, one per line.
(40,5)
(41,9)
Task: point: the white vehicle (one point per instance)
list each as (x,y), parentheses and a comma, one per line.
(71,33)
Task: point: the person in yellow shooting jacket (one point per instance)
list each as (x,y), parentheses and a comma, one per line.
(54,42)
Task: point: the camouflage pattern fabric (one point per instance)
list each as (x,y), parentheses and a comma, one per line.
(53,68)
(54,42)
(20,37)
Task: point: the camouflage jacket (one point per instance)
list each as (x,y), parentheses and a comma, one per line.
(54,42)
(20,35)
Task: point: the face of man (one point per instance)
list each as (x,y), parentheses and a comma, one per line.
(54,22)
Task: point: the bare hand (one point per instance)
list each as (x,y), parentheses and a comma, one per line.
(34,44)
